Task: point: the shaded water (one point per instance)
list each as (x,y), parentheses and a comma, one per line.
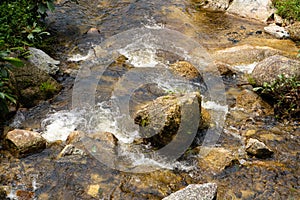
(46,176)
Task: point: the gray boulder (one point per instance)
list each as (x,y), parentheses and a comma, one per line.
(270,68)
(207,191)
(278,31)
(255,9)
(43,61)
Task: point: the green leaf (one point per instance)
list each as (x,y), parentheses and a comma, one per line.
(2,95)
(50,6)
(11,98)
(14,61)
(30,36)
(257,89)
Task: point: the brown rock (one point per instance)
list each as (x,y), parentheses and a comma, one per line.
(270,68)
(251,102)
(160,119)
(23,142)
(215,159)
(185,69)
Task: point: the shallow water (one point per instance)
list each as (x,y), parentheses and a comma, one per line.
(47,176)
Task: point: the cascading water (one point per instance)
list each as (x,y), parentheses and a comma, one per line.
(140,46)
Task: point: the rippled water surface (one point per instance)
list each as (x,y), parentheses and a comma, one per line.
(47,176)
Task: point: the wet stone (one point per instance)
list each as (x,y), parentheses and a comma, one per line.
(258,149)
(207,191)
(23,142)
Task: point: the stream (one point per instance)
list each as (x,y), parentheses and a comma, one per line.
(115,55)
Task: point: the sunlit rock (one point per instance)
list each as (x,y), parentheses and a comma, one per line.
(270,68)
(207,191)
(243,54)
(43,61)
(94,191)
(160,119)
(277,31)
(23,142)
(215,159)
(185,69)
(257,9)
(258,149)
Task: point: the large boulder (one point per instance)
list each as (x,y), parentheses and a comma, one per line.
(160,119)
(207,191)
(243,54)
(270,68)
(22,142)
(34,85)
(255,9)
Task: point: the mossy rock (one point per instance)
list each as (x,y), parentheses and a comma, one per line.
(33,85)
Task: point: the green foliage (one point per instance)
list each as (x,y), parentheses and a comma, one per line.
(20,21)
(285,92)
(20,26)
(48,89)
(288,9)
(6,95)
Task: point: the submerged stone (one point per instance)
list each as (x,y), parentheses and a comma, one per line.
(23,142)
(207,191)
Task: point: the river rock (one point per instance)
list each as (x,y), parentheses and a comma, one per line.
(277,31)
(160,119)
(258,149)
(250,102)
(70,150)
(214,4)
(294,31)
(43,61)
(243,54)
(33,85)
(207,191)
(23,142)
(215,159)
(270,68)
(255,9)
(185,69)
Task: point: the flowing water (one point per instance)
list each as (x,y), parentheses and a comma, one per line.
(102,90)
